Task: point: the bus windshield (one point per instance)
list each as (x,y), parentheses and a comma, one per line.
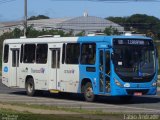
(134,60)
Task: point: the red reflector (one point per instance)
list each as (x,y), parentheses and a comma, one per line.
(138,94)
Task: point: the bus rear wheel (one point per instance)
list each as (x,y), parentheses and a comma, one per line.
(88,92)
(30,89)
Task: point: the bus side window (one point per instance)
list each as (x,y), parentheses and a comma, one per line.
(29,53)
(41,53)
(88,53)
(6,53)
(72,53)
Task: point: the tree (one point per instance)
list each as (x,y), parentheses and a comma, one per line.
(119,20)
(38,17)
(17,33)
(82,33)
(140,23)
(111,31)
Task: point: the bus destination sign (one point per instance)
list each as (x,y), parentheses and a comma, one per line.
(131,42)
(135,42)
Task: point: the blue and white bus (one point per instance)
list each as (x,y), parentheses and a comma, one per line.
(122,66)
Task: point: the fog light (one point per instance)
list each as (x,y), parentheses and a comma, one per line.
(117,82)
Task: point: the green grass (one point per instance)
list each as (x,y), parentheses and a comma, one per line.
(7,114)
(76,110)
(10,114)
(81,113)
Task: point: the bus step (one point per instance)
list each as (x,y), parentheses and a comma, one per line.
(54,91)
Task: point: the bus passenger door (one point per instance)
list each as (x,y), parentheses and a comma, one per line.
(55,66)
(14,67)
(104,71)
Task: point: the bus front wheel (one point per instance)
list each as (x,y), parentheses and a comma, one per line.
(88,92)
(30,89)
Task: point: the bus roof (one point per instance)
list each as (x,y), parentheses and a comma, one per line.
(71,39)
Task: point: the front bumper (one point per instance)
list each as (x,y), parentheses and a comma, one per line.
(132,91)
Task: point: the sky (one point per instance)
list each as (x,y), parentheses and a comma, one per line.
(13,10)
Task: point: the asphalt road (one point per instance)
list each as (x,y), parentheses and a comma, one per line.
(145,104)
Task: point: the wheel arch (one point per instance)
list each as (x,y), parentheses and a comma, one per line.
(84,82)
(28,77)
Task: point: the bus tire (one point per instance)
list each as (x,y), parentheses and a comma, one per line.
(88,92)
(30,88)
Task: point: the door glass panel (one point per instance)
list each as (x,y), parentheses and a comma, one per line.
(58,58)
(108,62)
(101,60)
(101,75)
(104,71)
(55,58)
(15,58)
(107,71)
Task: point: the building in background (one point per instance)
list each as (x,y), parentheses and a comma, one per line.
(87,24)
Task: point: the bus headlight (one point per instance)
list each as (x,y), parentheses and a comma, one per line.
(117,82)
(154,84)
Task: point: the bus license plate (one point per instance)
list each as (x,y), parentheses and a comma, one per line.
(138,94)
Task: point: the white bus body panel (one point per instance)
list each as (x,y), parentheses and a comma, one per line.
(69,83)
(39,72)
(65,78)
(11,69)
